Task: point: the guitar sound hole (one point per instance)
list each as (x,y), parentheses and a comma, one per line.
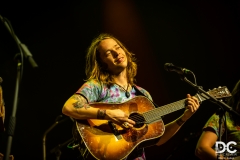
(138,118)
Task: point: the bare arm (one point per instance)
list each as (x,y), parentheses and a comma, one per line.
(172,128)
(78,108)
(204,146)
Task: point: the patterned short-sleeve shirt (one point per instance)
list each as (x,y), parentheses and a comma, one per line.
(232,131)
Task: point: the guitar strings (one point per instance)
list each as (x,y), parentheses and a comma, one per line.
(154,114)
(137,118)
(158,112)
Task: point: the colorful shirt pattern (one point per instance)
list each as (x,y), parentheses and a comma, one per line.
(232,132)
(94,91)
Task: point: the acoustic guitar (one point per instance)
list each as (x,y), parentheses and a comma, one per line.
(2,108)
(2,117)
(105,140)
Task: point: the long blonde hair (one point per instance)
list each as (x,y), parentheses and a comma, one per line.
(95,69)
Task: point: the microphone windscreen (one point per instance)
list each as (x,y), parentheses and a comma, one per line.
(167,65)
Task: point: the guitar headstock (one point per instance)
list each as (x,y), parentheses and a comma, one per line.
(220,92)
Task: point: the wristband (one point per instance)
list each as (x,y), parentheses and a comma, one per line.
(180,122)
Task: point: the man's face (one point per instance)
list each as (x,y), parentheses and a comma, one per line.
(112,55)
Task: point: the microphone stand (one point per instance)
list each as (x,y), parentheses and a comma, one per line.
(57,150)
(22,47)
(223,106)
(48,130)
(23,50)
(12,120)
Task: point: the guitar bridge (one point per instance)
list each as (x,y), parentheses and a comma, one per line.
(114,130)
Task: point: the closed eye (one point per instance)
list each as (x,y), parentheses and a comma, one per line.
(108,53)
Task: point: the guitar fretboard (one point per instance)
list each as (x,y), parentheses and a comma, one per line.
(156,114)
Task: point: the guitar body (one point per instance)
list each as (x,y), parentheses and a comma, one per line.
(105,140)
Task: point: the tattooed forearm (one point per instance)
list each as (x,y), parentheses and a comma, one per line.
(78,105)
(80,102)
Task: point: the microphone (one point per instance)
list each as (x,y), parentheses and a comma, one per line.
(22,46)
(28,55)
(171,68)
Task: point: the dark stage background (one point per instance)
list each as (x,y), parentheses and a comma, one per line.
(202,36)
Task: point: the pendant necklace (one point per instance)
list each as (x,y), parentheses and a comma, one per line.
(127,94)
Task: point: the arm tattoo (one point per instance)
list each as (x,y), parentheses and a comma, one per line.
(80,102)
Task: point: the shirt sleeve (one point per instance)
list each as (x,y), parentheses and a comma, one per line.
(91,90)
(213,123)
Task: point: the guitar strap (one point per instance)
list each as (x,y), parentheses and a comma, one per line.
(142,94)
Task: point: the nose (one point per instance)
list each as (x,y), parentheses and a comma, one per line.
(115,53)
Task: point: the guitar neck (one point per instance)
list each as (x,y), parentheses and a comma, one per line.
(156,114)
